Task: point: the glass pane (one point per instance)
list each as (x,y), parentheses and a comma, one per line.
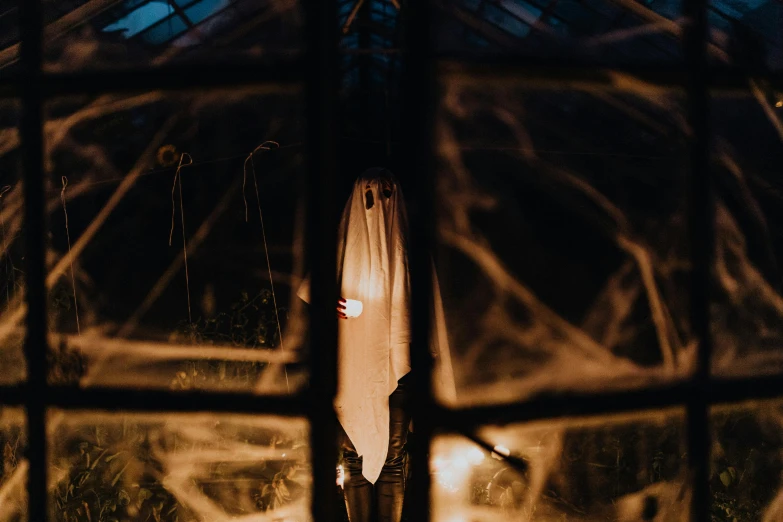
(604,31)
(627,468)
(94,34)
(747,311)
(13,367)
(175,256)
(13,474)
(563,249)
(177,467)
(9,38)
(746,462)
(746,33)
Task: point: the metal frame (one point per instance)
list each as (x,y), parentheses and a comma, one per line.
(319,73)
(697,394)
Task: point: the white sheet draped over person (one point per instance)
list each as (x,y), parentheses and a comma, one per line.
(373,348)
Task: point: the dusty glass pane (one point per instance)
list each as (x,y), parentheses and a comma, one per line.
(9,38)
(175,254)
(746,462)
(12,264)
(181,467)
(603,31)
(101,34)
(13,474)
(747,308)
(563,250)
(625,468)
(746,33)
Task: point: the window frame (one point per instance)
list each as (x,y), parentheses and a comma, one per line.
(319,72)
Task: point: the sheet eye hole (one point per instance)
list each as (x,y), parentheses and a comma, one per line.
(369,201)
(387,192)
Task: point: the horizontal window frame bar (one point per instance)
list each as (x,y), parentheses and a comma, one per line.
(552,406)
(135,400)
(283,75)
(580,76)
(169,78)
(549,406)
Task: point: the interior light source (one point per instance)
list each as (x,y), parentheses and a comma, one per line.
(502,450)
(353,308)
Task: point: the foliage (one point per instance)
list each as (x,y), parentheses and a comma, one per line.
(250,323)
(746,465)
(65,364)
(114,477)
(96,489)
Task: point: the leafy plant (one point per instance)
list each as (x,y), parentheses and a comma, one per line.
(113,475)
(251,322)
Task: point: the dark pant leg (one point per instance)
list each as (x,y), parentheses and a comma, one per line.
(390,487)
(358,492)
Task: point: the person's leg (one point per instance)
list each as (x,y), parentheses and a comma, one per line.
(356,489)
(390,487)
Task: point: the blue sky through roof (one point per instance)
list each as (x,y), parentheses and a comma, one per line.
(151,13)
(142,18)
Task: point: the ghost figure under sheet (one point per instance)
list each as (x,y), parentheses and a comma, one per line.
(373,349)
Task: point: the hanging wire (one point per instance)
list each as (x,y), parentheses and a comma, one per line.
(265,146)
(178,182)
(68,235)
(153,172)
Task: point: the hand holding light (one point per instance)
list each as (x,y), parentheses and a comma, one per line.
(347,308)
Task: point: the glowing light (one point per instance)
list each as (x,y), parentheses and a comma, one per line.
(451,471)
(502,450)
(779,103)
(475,456)
(340,476)
(353,308)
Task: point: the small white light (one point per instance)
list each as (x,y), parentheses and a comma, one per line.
(502,450)
(353,308)
(340,476)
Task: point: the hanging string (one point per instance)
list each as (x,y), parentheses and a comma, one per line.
(68,235)
(8,267)
(265,146)
(178,183)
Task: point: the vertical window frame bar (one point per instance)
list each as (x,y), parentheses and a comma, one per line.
(701,228)
(322,84)
(419,95)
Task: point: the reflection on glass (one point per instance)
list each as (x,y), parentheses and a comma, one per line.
(563,250)
(625,468)
(746,33)
(101,35)
(747,308)
(13,474)
(9,39)
(628,31)
(178,467)
(747,462)
(12,265)
(176,240)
